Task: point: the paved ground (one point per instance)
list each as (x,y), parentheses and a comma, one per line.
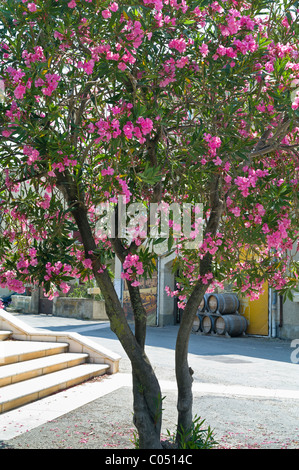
(246,389)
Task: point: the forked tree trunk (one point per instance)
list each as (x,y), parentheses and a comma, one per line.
(183,371)
(147,404)
(146,389)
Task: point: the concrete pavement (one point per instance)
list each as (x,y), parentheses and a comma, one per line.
(232,371)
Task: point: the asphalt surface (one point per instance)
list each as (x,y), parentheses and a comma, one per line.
(246,389)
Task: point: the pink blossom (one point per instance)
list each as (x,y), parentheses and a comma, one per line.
(182,62)
(6,133)
(109,171)
(31,7)
(33,157)
(204,50)
(214,142)
(269,67)
(295,103)
(64,287)
(178,44)
(132,266)
(122,66)
(146,125)
(113,6)
(52,82)
(106,14)
(72,4)
(217,161)
(87,66)
(87,263)
(236,211)
(128,130)
(39,82)
(20,91)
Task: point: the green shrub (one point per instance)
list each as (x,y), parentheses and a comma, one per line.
(81,292)
(196,437)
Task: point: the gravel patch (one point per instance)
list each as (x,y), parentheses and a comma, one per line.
(106,423)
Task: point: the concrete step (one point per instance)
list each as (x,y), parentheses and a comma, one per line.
(17,351)
(17,372)
(4,335)
(15,395)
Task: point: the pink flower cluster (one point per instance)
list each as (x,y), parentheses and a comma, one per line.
(295,103)
(61,166)
(146,126)
(33,154)
(112,8)
(36,56)
(57,269)
(125,189)
(45,202)
(107,129)
(168,73)
(179,44)
(248,44)
(52,83)
(206,278)
(132,268)
(8,280)
(20,91)
(245,183)
(135,33)
(235,22)
(279,239)
(157,4)
(13,113)
(109,171)
(111,129)
(49,85)
(214,143)
(210,244)
(204,50)
(87,66)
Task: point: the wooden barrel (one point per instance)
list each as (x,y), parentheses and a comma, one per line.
(196,323)
(223,303)
(207,324)
(203,304)
(231,325)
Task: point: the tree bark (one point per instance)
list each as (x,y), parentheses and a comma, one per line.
(147,416)
(183,371)
(146,388)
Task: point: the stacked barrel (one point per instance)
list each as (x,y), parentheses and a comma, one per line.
(219,314)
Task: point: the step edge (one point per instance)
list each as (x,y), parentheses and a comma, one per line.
(39,366)
(22,356)
(90,369)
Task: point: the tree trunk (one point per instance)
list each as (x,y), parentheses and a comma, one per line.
(147,404)
(146,389)
(183,371)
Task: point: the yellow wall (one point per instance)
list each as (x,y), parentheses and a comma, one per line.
(256,312)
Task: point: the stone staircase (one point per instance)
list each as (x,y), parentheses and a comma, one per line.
(36,363)
(30,370)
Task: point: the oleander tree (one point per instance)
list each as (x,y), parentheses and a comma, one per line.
(156,102)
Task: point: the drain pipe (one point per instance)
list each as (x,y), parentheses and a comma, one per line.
(273,314)
(281,311)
